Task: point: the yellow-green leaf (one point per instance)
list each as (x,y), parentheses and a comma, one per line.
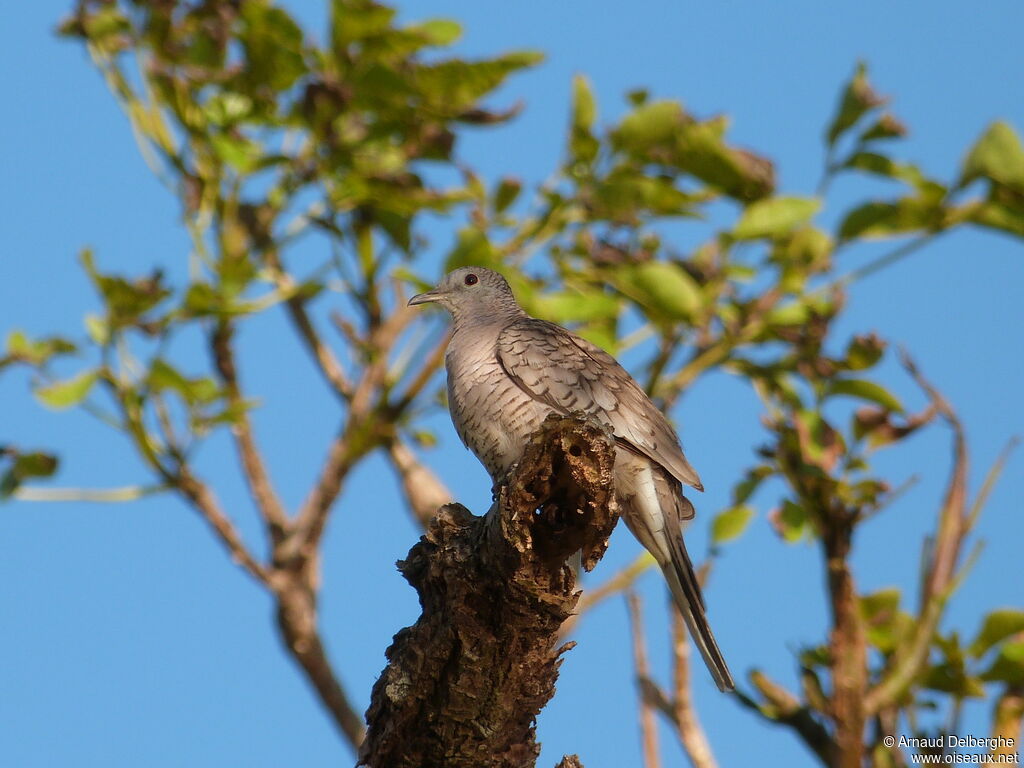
(998,626)
(858,98)
(865,390)
(731,523)
(997,155)
(775,216)
(665,288)
(65,394)
(440,32)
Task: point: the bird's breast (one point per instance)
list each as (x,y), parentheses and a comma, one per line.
(492,415)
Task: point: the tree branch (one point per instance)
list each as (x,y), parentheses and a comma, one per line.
(324,358)
(952,528)
(423,489)
(691,733)
(253,469)
(297,621)
(648,726)
(781,706)
(464,684)
(206,504)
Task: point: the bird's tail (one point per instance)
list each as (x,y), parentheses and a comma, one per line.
(654,511)
(682,581)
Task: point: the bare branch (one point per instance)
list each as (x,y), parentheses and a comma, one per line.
(620,582)
(312,519)
(691,733)
(648,726)
(95,495)
(256,475)
(354,441)
(297,620)
(430,365)
(952,529)
(423,489)
(781,706)
(328,365)
(203,500)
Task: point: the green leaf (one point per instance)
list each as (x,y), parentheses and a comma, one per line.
(36,352)
(864,352)
(795,312)
(355,21)
(998,626)
(665,288)
(455,86)
(440,32)
(35,464)
(865,390)
(237,151)
(997,155)
(736,172)
(880,165)
(878,604)
(126,300)
(997,215)
(648,126)
(858,98)
(730,523)
(272,42)
(98,329)
(583,147)
(775,216)
(601,333)
(886,127)
(888,219)
(65,394)
(576,307)
(790,521)
(626,195)
(753,478)
(881,615)
(1008,666)
(472,249)
(163,376)
(506,193)
(24,466)
(952,678)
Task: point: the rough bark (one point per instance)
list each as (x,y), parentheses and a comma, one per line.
(465,683)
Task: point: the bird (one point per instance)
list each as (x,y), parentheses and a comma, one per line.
(507,371)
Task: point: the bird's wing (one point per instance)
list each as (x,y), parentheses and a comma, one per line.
(570,374)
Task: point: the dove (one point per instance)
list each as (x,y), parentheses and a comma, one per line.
(508,371)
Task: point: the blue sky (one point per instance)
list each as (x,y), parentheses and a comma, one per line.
(129,639)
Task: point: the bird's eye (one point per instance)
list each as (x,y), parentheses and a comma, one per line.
(472,279)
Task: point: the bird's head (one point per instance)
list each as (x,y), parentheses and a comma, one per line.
(471,292)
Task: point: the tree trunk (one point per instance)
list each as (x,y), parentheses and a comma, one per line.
(464,684)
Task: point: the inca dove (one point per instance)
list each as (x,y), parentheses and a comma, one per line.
(507,371)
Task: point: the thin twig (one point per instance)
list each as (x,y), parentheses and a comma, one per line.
(423,489)
(619,582)
(97,495)
(952,529)
(781,706)
(204,501)
(691,733)
(328,365)
(254,470)
(648,726)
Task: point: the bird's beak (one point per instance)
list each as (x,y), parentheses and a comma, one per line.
(425,298)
